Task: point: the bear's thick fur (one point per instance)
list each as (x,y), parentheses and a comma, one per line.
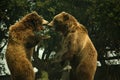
(76,47)
(22,39)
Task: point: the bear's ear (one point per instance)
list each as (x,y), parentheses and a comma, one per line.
(34,13)
(66,17)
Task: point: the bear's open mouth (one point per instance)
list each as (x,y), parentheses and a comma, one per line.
(40,28)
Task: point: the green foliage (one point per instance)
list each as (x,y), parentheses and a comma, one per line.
(106,19)
(12,10)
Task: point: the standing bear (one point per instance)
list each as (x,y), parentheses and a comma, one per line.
(76,47)
(22,39)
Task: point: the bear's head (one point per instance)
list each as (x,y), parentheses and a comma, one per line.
(63,22)
(34,21)
(30,25)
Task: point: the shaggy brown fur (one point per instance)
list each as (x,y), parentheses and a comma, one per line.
(76,47)
(22,39)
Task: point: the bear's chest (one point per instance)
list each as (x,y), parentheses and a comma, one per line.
(64,45)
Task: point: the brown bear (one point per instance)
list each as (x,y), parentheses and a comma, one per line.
(76,47)
(23,37)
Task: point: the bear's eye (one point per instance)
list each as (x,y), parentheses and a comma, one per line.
(57,21)
(39,21)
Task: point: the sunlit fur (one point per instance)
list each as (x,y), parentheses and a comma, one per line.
(22,39)
(76,47)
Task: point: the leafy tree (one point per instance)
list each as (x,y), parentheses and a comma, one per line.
(106,30)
